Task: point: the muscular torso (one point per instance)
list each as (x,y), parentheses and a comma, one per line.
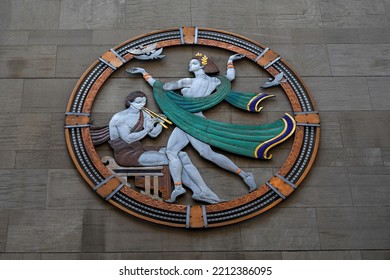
(122,119)
(201,86)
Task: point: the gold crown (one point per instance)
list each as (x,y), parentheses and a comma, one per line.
(203,59)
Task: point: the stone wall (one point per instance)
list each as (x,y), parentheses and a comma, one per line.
(340,48)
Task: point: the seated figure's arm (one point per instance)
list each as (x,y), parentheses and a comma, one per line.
(130,137)
(156,130)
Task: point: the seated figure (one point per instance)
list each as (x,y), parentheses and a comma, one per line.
(128,127)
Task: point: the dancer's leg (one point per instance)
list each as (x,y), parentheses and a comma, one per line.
(223,162)
(193,180)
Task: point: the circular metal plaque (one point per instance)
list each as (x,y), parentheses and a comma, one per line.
(112,189)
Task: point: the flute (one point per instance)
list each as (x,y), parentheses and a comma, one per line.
(157,116)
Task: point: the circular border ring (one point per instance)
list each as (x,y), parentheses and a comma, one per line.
(110,188)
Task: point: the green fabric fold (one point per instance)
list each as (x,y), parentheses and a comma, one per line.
(234,138)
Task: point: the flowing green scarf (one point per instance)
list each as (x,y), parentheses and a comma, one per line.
(247,140)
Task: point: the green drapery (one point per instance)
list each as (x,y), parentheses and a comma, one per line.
(243,100)
(247,140)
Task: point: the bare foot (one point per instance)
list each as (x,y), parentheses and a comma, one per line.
(179,190)
(249,181)
(207,196)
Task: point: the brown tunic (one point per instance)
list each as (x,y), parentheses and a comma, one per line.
(128,154)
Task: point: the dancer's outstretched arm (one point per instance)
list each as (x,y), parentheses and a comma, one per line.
(230,71)
(146,75)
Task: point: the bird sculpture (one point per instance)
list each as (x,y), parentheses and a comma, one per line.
(148,52)
(274,82)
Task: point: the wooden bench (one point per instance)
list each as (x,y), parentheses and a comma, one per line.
(155,180)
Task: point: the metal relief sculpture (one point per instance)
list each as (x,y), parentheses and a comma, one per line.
(148,52)
(164,173)
(127,128)
(274,82)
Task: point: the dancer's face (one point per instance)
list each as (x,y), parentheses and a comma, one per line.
(194,65)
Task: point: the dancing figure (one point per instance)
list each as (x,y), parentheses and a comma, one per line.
(201,85)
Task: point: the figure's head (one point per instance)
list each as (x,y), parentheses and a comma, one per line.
(200,61)
(137,99)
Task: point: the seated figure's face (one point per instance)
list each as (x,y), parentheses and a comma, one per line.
(194,65)
(138,103)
